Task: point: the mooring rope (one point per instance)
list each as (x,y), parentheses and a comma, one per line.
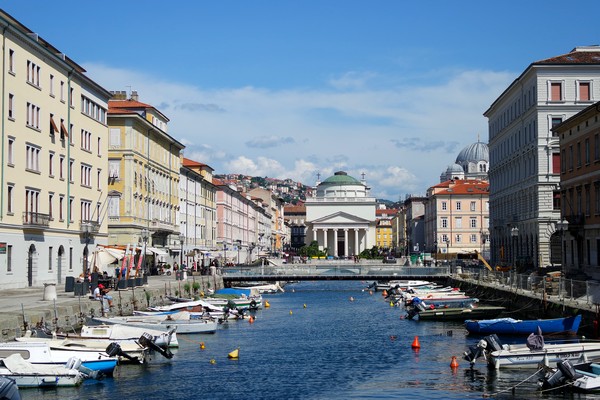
(515,386)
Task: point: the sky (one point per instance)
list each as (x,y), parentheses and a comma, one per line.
(299,89)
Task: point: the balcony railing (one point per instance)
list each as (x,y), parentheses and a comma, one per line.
(163,226)
(89,226)
(35,220)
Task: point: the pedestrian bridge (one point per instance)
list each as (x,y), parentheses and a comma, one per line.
(327,271)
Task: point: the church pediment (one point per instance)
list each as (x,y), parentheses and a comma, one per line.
(340,218)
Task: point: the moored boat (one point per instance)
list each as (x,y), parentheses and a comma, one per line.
(510,326)
(26,374)
(583,377)
(181,321)
(42,353)
(455,314)
(532,353)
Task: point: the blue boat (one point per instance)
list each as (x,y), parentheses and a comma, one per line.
(510,326)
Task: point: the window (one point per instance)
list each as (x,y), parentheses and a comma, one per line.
(11,61)
(458,238)
(50,205)
(113,169)
(10,194)
(563,161)
(61,167)
(583,91)
(444,222)
(99,152)
(556,92)
(473,222)
(62,91)
(51,165)
(473,238)
(588,200)
(115,137)
(53,127)
(473,206)
(33,116)
(571,158)
(70,210)
(50,258)
(11,106)
(554,123)
(51,85)
(458,222)
(33,73)
(86,175)
(32,199)
(99,179)
(458,206)
(10,150)
(32,158)
(86,207)
(596,147)
(587,151)
(71,162)
(93,110)
(578,154)
(86,140)
(113,206)
(61,208)
(597,198)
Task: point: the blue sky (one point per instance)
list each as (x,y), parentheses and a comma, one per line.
(290,89)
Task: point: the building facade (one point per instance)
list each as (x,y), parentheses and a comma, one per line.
(341,216)
(144,164)
(579,228)
(457,217)
(524,152)
(54,162)
(197,212)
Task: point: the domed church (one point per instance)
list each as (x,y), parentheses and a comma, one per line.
(471,163)
(341,216)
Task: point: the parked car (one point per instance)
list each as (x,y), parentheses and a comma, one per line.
(389,260)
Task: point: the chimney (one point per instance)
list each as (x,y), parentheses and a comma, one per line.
(118,95)
(134,95)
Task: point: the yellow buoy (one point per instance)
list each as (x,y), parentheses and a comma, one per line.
(304,305)
(267,305)
(391,304)
(213,361)
(291,312)
(202,345)
(234,354)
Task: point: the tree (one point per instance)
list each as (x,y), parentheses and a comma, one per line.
(312,250)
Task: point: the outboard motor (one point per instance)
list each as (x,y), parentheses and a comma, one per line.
(114,349)
(75,363)
(147,341)
(474,352)
(493,342)
(564,373)
(9,389)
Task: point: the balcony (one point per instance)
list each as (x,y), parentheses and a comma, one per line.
(163,226)
(89,226)
(33,220)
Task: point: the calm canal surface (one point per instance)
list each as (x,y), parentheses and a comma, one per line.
(334,348)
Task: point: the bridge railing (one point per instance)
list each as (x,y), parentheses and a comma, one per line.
(386,271)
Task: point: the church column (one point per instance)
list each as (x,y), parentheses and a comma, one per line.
(346,243)
(335,242)
(315,235)
(325,240)
(356,243)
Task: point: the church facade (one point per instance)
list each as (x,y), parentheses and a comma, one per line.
(341,216)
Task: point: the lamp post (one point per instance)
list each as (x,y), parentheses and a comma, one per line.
(145,235)
(239,244)
(181,241)
(514,233)
(435,247)
(86,228)
(563,226)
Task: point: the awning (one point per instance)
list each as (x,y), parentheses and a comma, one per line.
(158,252)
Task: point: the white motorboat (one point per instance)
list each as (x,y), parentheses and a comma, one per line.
(270,288)
(180,320)
(26,374)
(401,284)
(42,353)
(532,353)
(584,377)
(124,332)
(130,350)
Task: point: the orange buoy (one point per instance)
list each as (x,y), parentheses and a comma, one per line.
(453,363)
(384,293)
(251,320)
(202,345)
(267,304)
(371,292)
(415,344)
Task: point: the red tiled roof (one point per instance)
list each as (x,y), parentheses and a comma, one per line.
(467,187)
(191,163)
(576,56)
(127,104)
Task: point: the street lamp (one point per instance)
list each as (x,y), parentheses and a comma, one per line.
(86,228)
(435,248)
(239,244)
(181,240)
(144,235)
(514,233)
(563,226)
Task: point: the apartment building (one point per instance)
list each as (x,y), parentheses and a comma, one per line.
(144,164)
(54,161)
(524,152)
(579,228)
(197,212)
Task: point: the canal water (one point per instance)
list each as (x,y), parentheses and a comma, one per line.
(318,340)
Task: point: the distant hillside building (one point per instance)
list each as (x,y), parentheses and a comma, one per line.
(341,216)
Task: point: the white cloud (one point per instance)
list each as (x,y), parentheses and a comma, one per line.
(402,135)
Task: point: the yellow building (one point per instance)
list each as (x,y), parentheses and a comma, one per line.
(143,178)
(384,238)
(54,161)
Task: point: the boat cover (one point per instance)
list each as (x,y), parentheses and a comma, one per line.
(535,341)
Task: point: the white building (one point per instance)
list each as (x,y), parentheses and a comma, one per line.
(524,153)
(341,216)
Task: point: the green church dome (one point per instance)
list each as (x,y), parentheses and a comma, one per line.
(341,178)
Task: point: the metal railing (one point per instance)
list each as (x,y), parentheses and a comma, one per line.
(34,219)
